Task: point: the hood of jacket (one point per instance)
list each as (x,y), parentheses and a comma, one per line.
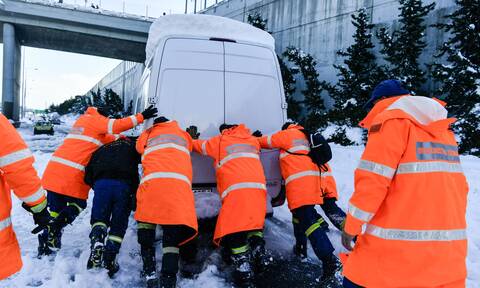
(92,111)
(295,126)
(427,113)
(240,131)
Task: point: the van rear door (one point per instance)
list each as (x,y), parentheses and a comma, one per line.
(253,96)
(190,85)
(252,87)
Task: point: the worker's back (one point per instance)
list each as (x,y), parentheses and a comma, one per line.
(116,160)
(410,177)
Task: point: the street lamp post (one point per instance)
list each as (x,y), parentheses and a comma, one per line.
(23,84)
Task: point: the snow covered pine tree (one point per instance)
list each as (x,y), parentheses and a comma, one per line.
(459,79)
(316,113)
(403,48)
(113,103)
(356,79)
(256,20)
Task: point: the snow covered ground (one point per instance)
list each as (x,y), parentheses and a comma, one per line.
(68,269)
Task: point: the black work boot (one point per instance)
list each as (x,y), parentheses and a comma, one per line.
(168,276)
(260,256)
(168,280)
(43,249)
(189,266)
(149,272)
(54,238)
(300,250)
(189,269)
(243,273)
(110,263)
(332,268)
(97,246)
(226,254)
(56,225)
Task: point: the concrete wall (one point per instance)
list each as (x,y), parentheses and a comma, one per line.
(322,27)
(123,80)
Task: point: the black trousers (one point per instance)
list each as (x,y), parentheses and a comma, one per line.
(173,236)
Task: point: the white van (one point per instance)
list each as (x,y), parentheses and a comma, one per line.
(207,70)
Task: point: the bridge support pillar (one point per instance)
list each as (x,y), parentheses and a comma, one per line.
(11,73)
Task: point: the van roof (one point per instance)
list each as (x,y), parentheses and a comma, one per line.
(204,26)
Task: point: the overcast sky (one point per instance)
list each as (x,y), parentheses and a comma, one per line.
(54,76)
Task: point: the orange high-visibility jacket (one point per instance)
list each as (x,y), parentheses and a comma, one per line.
(17,174)
(302,176)
(66,169)
(165,193)
(240,180)
(328,184)
(411,193)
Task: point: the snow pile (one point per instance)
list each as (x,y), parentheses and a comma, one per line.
(207,204)
(354,134)
(351,101)
(471,168)
(204,26)
(68,269)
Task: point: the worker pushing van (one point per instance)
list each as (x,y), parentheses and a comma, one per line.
(303,189)
(242,188)
(165,198)
(64,176)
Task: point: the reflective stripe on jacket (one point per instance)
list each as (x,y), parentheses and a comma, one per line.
(66,169)
(18,175)
(302,176)
(411,193)
(165,193)
(240,180)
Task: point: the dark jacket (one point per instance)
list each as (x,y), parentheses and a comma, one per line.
(116,160)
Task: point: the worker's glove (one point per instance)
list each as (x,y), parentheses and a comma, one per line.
(193,131)
(41,217)
(150,112)
(257,133)
(65,217)
(347,240)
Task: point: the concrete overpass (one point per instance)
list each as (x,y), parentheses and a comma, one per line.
(63,28)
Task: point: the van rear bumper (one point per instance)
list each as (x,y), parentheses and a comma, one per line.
(204,173)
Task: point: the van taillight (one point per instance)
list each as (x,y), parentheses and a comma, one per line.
(222,40)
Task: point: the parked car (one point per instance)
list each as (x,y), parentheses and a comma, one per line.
(56,121)
(43,127)
(207,70)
